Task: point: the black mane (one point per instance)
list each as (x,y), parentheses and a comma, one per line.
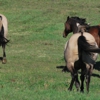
(79,20)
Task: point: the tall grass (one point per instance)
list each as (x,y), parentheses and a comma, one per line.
(36,48)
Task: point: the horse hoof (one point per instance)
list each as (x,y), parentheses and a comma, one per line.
(82,91)
(69,89)
(4,61)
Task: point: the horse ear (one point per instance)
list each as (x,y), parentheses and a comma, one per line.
(84,19)
(68,18)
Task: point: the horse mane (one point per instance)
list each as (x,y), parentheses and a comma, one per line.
(82,24)
(79,20)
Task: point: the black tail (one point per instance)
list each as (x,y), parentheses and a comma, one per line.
(83,45)
(6,40)
(3,40)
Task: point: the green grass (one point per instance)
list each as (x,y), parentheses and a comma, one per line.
(36,48)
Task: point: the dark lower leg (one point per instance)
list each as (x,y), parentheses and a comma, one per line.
(82,83)
(72,82)
(87,82)
(77,83)
(4,54)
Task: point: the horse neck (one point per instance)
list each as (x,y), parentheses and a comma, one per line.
(74,28)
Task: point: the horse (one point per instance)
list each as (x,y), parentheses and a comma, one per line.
(71,26)
(81,53)
(95,31)
(3,35)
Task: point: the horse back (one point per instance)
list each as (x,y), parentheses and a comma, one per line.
(94,30)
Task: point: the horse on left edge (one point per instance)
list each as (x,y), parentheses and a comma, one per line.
(3,35)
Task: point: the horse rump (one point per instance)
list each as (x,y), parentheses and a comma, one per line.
(84,45)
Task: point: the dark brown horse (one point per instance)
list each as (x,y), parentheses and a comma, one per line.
(71,26)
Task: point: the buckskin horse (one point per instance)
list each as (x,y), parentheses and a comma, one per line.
(81,53)
(3,35)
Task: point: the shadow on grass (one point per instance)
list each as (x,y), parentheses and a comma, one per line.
(1,58)
(96,67)
(64,68)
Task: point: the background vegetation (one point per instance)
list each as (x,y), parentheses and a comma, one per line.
(36,49)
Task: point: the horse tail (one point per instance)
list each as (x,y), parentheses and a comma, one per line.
(1,23)
(83,45)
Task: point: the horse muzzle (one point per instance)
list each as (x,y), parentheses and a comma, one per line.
(64,36)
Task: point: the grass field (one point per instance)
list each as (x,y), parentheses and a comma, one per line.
(36,49)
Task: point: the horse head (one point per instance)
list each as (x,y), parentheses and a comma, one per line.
(67,25)
(71,25)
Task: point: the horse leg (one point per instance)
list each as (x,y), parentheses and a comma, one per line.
(82,82)
(74,79)
(88,77)
(82,77)
(4,60)
(72,82)
(87,82)
(74,74)
(77,83)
